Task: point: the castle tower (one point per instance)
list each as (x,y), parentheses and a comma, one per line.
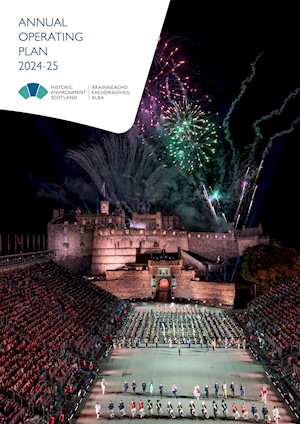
(104,207)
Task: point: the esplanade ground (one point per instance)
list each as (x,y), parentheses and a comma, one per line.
(194,365)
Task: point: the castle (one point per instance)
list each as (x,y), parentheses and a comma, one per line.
(148,256)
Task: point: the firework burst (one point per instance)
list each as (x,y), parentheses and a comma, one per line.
(130,171)
(191,136)
(174,116)
(165,84)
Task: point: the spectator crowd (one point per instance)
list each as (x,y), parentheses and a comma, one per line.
(56,328)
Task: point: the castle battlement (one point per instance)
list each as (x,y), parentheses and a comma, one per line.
(106,241)
(116,232)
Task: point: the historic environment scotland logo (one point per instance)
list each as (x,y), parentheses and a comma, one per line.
(33,89)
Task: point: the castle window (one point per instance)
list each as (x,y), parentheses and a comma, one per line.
(173,282)
(156,244)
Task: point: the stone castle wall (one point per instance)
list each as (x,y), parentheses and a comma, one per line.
(211,245)
(128,285)
(72,244)
(115,248)
(84,248)
(137,285)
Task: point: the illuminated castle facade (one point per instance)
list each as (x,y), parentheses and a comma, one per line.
(148,255)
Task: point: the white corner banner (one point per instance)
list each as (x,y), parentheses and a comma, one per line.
(85,62)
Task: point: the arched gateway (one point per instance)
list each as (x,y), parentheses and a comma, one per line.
(164,284)
(163,292)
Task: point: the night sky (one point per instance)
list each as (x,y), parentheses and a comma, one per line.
(219,44)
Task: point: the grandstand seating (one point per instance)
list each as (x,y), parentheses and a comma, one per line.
(56,328)
(50,320)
